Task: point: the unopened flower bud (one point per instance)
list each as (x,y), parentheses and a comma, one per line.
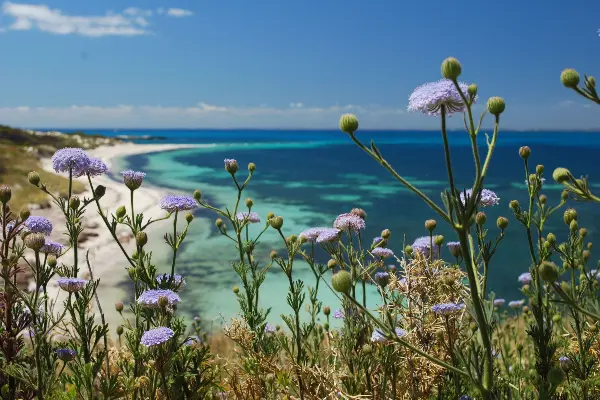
(543,198)
(270,215)
(430,225)
(561,175)
(74,203)
(451,68)
(341,281)
(548,271)
(251,167)
(520,347)
(331,264)
(480,218)
(586,255)
(291,239)
(438,240)
(231,166)
(539,169)
(570,215)
(525,152)
(121,212)
(24,214)
(391,269)
(35,241)
(99,192)
(473,327)
(326,326)
(583,232)
(119,306)
(589,245)
(326,310)
(556,376)
(249,203)
(570,78)
(219,223)
(546,245)
(276,222)
(132,272)
(408,250)
(573,226)
(348,123)
(551,238)
(273,255)
(386,233)
(119,330)
(51,261)
(189,217)
(514,205)
(564,195)
(472,90)
(197,195)
(5,194)
(496,105)
(556,318)
(502,222)
(590,83)
(359,212)
(141,238)
(33,178)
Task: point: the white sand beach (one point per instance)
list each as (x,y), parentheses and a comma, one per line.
(107,261)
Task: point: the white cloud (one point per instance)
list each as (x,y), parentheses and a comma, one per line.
(179,12)
(296,105)
(196,116)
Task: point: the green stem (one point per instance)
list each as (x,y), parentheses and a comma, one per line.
(175,244)
(448,161)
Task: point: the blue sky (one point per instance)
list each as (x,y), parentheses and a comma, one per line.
(287,64)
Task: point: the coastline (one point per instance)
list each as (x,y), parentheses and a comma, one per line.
(111,269)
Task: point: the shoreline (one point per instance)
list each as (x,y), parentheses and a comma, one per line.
(98,241)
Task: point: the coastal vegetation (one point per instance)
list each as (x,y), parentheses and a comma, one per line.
(438,332)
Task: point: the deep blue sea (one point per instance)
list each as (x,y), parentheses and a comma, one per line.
(310,177)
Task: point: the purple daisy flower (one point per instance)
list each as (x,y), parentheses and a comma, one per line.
(192,341)
(382,278)
(96,167)
(149,298)
(531,181)
(454,247)
(515,304)
(65,355)
(499,302)
(156,336)
(69,159)
(133,179)
(37,224)
(71,285)
(487,199)
(172,203)
(339,314)
(349,222)
(379,337)
(447,308)
(230,163)
(423,245)
(52,247)
(594,273)
(177,280)
(525,278)
(311,234)
(430,97)
(251,217)
(328,235)
(379,242)
(565,362)
(270,328)
(382,252)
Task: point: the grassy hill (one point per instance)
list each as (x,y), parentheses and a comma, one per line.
(20,153)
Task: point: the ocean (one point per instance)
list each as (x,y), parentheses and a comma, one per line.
(309,177)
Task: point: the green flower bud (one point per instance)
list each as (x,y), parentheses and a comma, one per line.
(573,226)
(502,222)
(556,376)
(546,245)
(341,281)
(273,255)
(119,306)
(496,105)
(451,68)
(438,240)
(51,261)
(543,198)
(99,192)
(525,152)
(473,327)
(292,239)
(561,175)
(24,214)
(430,225)
(570,78)
(548,272)
(119,330)
(141,238)
(590,83)
(270,215)
(74,203)
(249,203)
(348,123)
(586,255)
(570,215)
(556,318)
(132,272)
(583,232)
(551,238)
(121,212)
(276,222)
(514,205)
(391,269)
(5,194)
(520,347)
(359,212)
(251,167)
(480,218)
(33,178)
(35,241)
(236,289)
(231,166)
(564,195)
(326,310)
(197,195)
(472,90)
(367,348)
(331,264)
(408,250)
(539,169)
(386,233)
(5,391)
(219,223)
(189,217)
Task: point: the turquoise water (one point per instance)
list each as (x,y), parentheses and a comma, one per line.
(311,177)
